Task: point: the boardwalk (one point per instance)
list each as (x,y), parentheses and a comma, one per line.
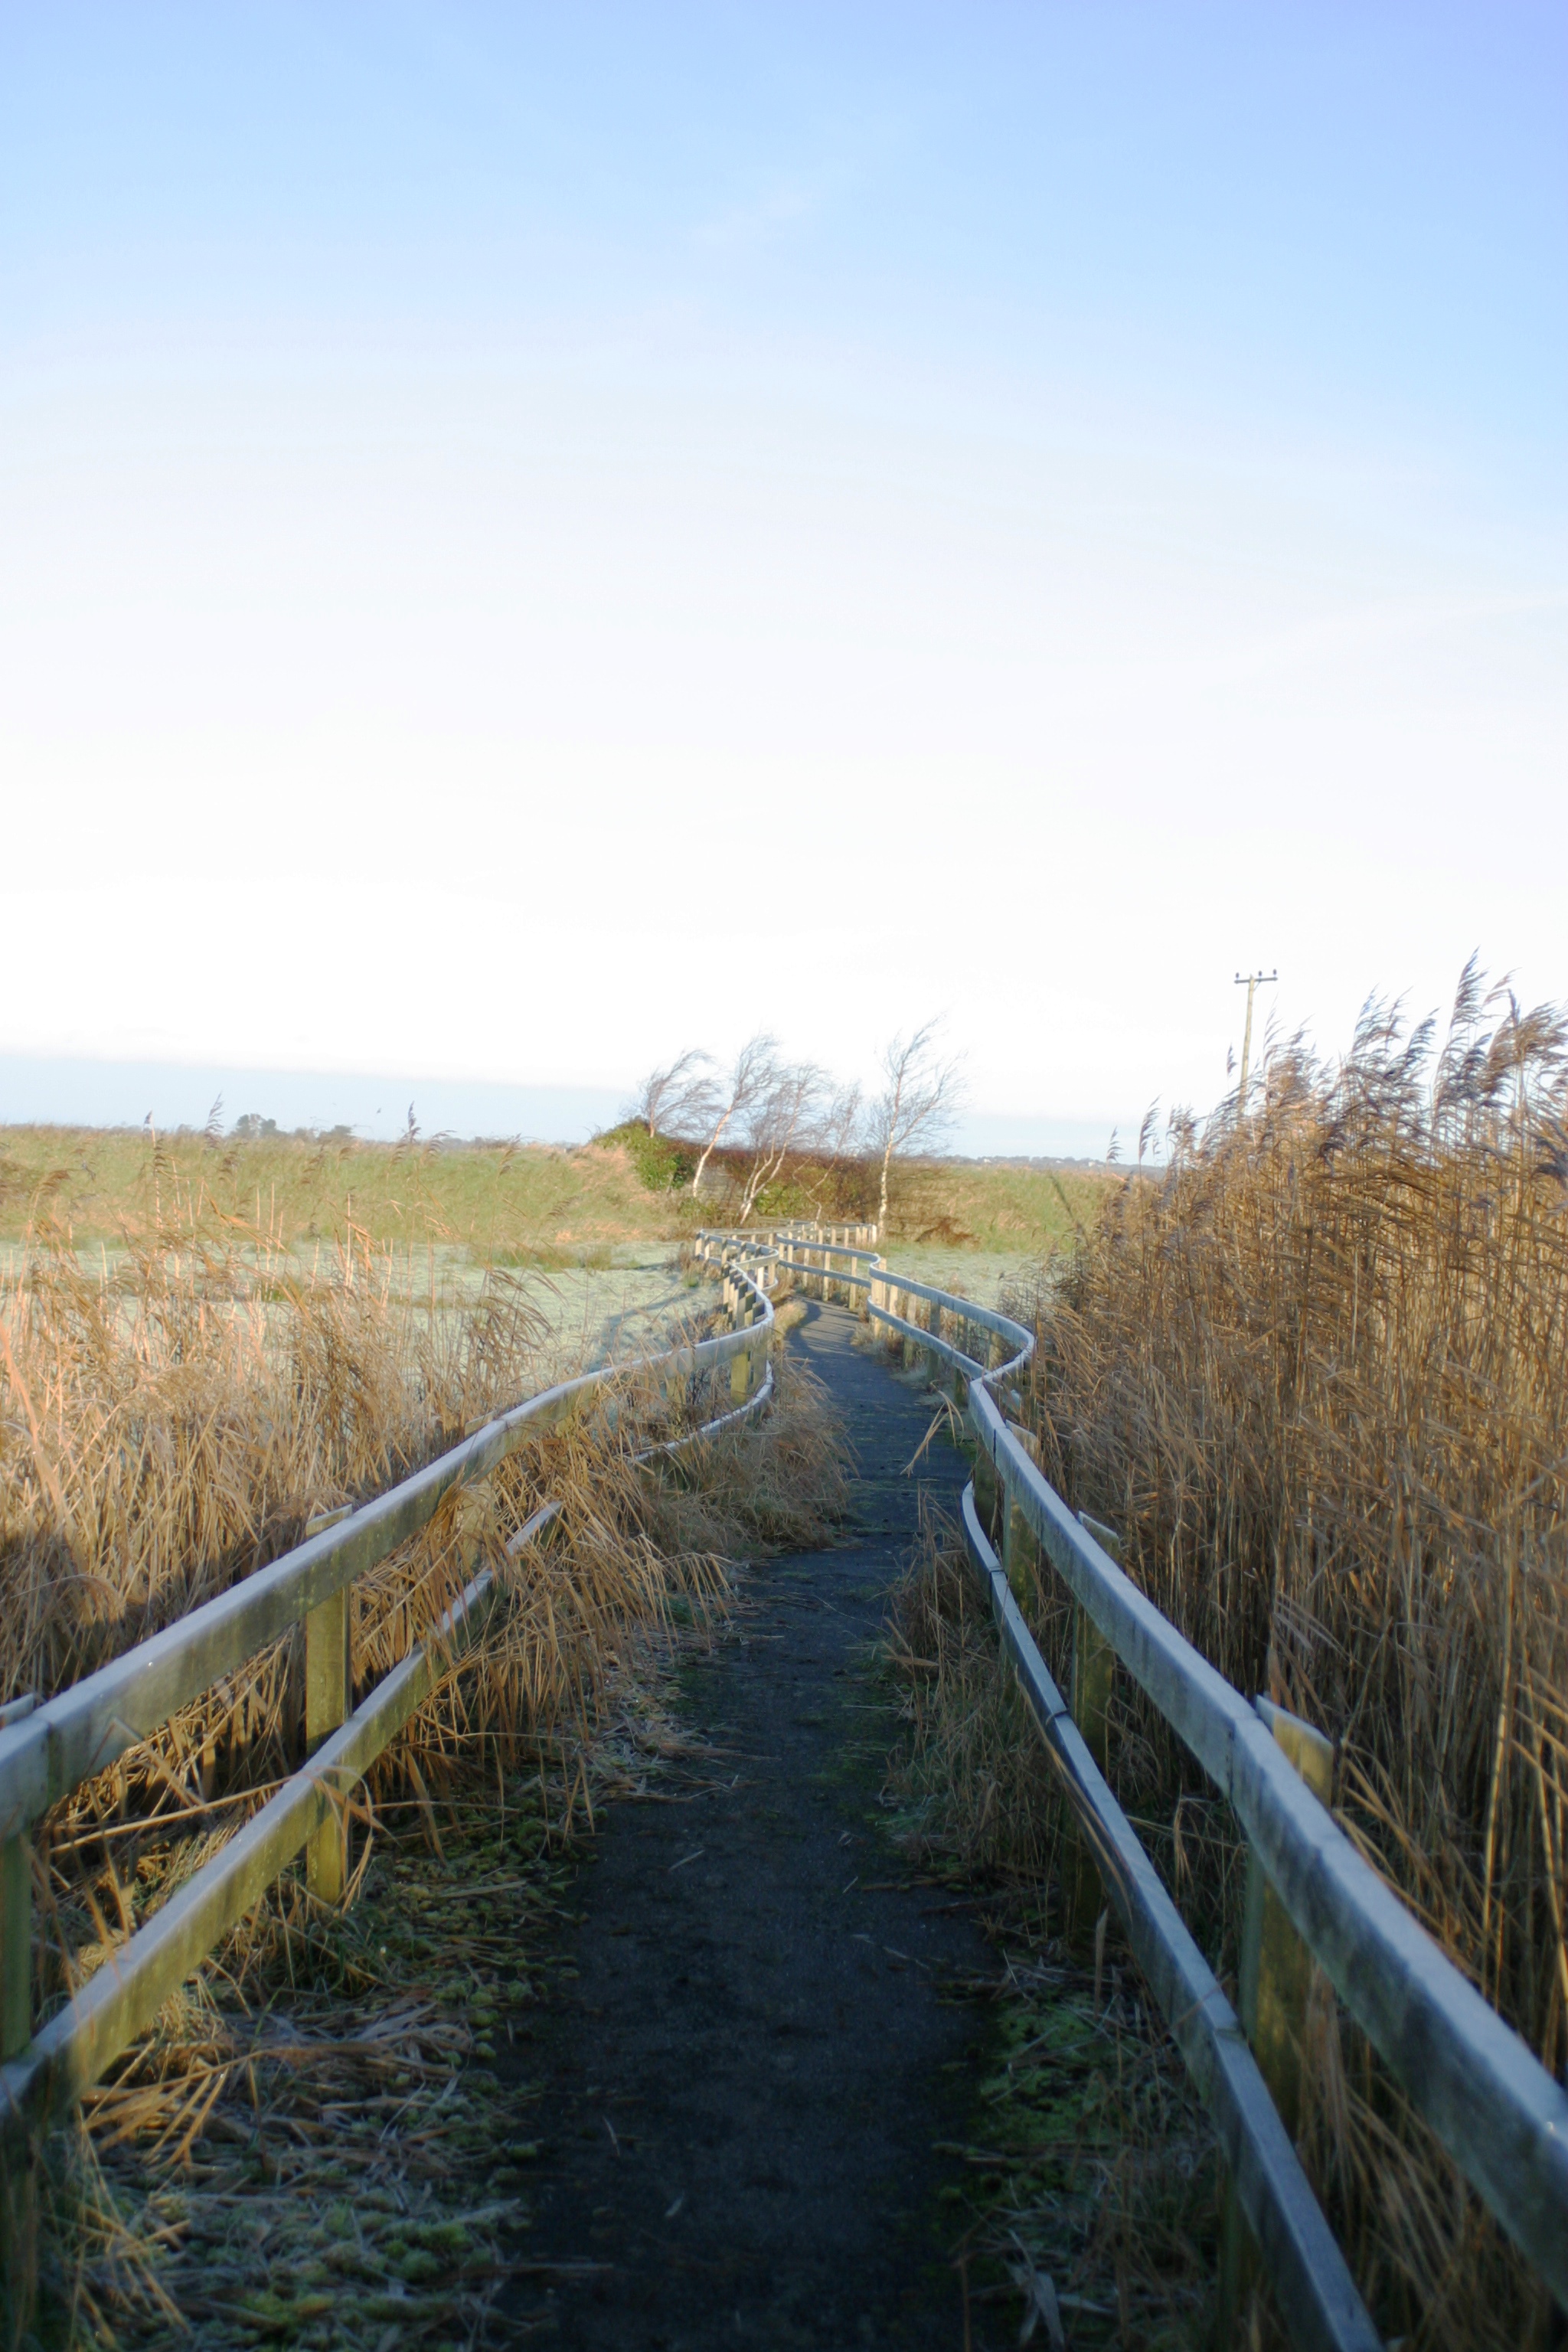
(741,2104)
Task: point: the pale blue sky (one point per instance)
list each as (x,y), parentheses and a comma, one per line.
(477,485)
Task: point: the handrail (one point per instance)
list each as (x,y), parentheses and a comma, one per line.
(124,1995)
(1477,2083)
(56,1747)
(1304,2259)
(1472,2078)
(88,1725)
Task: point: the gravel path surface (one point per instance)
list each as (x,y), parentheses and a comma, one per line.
(773,2031)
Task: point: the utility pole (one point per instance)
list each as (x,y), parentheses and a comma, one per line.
(1251,981)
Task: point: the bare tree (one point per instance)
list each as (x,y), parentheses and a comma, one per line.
(733,1097)
(783,1119)
(916,1104)
(837,1137)
(676,1097)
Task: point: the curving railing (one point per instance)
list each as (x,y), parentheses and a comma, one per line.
(1477,2084)
(47,1752)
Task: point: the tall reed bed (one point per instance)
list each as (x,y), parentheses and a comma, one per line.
(1317,1374)
(169,1421)
(172,1419)
(171,1416)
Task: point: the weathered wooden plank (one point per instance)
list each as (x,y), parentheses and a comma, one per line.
(1496,2109)
(1316,2292)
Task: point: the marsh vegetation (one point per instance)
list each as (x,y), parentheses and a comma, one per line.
(1312,1373)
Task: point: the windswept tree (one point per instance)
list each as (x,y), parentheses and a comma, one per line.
(836,1140)
(675,1099)
(735,1097)
(921,1093)
(783,1118)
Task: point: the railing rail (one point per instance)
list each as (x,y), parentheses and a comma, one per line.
(1297,2246)
(52,1749)
(1475,2082)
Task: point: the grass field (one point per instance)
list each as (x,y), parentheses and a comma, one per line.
(590,1249)
(531,1205)
(483,1204)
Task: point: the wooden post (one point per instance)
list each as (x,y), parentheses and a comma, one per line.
(1020,1552)
(1093,1680)
(741,1376)
(1276,1966)
(1276,1981)
(1020,1549)
(986,1484)
(327,1693)
(908,1349)
(933,1361)
(15,1945)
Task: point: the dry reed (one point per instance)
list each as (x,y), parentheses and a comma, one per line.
(1314,1375)
(169,1423)
(1093,2182)
(971,1779)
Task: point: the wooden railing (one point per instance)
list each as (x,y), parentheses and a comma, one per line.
(1479,2087)
(48,1751)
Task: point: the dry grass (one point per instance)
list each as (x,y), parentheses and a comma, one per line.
(729,1495)
(529,1205)
(312,2145)
(170,1423)
(525,1204)
(971,1783)
(1094,2169)
(1315,1377)
(992,1207)
(167,1425)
